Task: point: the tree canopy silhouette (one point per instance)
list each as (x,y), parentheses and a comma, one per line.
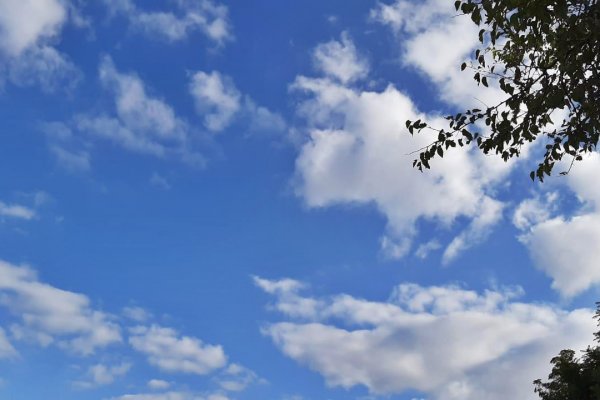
(573,378)
(545,56)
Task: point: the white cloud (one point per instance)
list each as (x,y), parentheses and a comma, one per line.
(45,67)
(23,23)
(6,348)
(446,341)
(567,250)
(425,249)
(216,98)
(436,42)
(135,108)
(357,149)
(48,315)
(158,384)
(357,152)
(27,208)
(340,60)
(220,103)
(137,314)
(170,352)
(236,378)
(101,374)
(289,302)
(260,119)
(489,215)
(16,211)
(208,17)
(566,247)
(535,210)
(26,29)
(164,396)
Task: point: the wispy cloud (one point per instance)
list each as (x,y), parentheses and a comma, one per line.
(205,16)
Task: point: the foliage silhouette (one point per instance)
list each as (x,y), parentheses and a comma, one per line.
(573,378)
(545,57)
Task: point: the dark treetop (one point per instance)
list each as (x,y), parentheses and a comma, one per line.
(573,378)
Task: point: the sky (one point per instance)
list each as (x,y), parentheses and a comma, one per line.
(213,200)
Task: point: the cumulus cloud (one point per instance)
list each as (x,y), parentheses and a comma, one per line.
(27,29)
(446,341)
(288,300)
(340,60)
(358,152)
(219,102)
(566,247)
(170,352)
(24,23)
(50,315)
(100,374)
(436,42)
(43,315)
(216,98)
(205,16)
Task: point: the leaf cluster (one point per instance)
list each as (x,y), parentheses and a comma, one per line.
(545,56)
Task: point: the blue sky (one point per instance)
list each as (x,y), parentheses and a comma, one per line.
(215,200)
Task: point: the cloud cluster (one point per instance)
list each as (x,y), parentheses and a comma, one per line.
(565,247)
(144,123)
(44,315)
(357,151)
(172,396)
(205,16)
(340,60)
(141,123)
(101,374)
(27,32)
(435,41)
(48,315)
(446,341)
(216,98)
(172,353)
